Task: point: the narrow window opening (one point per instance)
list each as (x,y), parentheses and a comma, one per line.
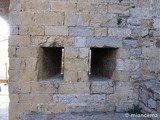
(52,63)
(102,62)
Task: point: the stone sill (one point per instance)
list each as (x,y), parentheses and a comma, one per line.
(56,78)
(98,78)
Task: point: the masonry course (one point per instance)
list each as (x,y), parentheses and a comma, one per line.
(120,37)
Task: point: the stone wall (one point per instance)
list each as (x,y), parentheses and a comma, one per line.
(126,29)
(150,97)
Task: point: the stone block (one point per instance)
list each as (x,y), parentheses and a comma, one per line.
(122,64)
(77,19)
(44,87)
(37,5)
(22,52)
(24,30)
(70,76)
(28,75)
(14,98)
(56,30)
(80,31)
(66,99)
(135,52)
(82,76)
(124,88)
(139,32)
(49,18)
(105,20)
(71,53)
(122,53)
(79,107)
(119,75)
(144,96)
(13,74)
(119,9)
(79,41)
(15,41)
(130,44)
(96,99)
(65,6)
(15,6)
(74,87)
(21,18)
(117,98)
(19,87)
(36,30)
(52,41)
(156,23)
(84,7)
(146,23)
(123,107)
(158,106)
(152,103)
(78,64)
(144,4)
(34,116)
(83,52)
(145,12)
(146,109)
(14,30)
(101,32)
(112,42)
(119,32)
(16,63)
(33,98)
(136,75)
(134,21)
(102,87)
(56,108)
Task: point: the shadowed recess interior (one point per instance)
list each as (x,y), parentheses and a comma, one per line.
(53,60)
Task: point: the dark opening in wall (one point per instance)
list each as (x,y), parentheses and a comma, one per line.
(102,62)
(53,60)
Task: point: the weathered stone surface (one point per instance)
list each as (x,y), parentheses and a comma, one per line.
(112,42)
(106,20)
(119,75)
(80,31)
(107,39)
(73,88)
(44,87)
(98,42)
(152,103)
(120,32)
(56,30)
(66,6)
(77,19)
(49,18)
(119,9)
(100,87)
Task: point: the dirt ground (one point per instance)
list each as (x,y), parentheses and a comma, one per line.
(4,101)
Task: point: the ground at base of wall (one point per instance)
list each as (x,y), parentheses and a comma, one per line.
(80,116)
(4,101)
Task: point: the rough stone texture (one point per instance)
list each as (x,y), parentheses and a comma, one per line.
(110,48)
(78,116)
(150,96)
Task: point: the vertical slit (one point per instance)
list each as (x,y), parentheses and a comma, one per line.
(62,61)
(90,62)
